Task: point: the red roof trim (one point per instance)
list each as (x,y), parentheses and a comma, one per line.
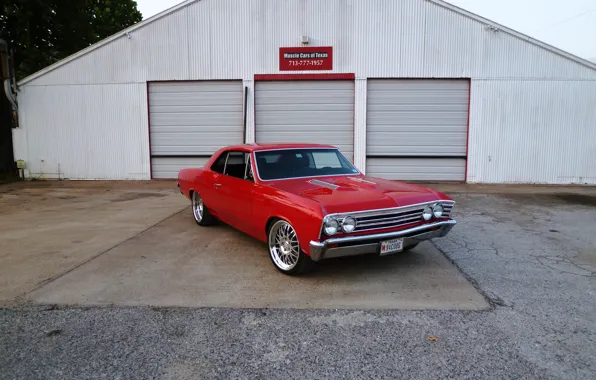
(332,76)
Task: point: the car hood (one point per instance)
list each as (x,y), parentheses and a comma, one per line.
(356,193)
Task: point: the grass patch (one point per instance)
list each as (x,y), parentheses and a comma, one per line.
(8,178)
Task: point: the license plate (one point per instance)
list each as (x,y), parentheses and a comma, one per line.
(390,246)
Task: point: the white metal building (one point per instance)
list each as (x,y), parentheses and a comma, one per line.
(407,89)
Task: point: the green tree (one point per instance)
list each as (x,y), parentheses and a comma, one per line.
(111,16)
(41,32)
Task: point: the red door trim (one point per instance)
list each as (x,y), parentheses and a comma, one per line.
(149,132)
(332,76)
(468,131)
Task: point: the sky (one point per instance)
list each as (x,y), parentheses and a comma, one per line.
(567,24)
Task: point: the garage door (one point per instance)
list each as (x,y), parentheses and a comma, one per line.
(189,121)
(319,112)
(417,129)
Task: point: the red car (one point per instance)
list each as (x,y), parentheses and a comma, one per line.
(309,203)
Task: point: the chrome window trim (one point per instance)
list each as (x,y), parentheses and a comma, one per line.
(226,152)
(249,161)
(248,165)
(311,176)
(306,147)
(226,163)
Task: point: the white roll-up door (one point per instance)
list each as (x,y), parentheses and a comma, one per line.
(320,112)
(189,121)
(417,129)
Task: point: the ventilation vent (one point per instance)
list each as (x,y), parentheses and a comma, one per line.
(325,184)
(361,180)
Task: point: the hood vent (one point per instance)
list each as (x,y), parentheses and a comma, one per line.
(325,184)
(361,180)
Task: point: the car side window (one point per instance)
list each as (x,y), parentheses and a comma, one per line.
(220,164)
(236,165)
(248,176)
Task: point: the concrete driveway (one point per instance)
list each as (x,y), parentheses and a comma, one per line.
(50,228)
(530,250)
(138,246)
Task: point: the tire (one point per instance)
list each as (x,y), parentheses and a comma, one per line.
(284,249)
(200,212)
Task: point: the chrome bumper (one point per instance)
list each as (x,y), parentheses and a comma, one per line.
(364,244)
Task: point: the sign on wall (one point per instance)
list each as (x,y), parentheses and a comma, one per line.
(306,58)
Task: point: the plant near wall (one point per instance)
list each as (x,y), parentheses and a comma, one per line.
(42,32)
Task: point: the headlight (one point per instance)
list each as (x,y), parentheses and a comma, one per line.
(427,213)
(438,210)
(331,227)
(349,224)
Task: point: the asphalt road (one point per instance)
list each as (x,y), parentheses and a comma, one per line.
(532,256)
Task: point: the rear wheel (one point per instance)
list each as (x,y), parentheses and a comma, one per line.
(200,212)
(284,249)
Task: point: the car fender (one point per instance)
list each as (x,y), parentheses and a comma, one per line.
(303,214)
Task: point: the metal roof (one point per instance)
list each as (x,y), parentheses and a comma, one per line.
(106,41)
(463,12)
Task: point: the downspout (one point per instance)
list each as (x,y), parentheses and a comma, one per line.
(10,95)
(6,77)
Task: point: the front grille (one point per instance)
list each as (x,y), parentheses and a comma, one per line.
(390,218)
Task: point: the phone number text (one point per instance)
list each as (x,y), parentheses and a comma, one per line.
(306,62)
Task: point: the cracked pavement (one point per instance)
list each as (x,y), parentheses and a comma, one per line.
(532,255)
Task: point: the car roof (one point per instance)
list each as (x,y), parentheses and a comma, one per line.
(271,146)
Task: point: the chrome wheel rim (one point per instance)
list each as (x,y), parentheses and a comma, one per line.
(197,207)
(283,245)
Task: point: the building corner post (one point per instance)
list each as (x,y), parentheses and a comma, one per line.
(360,124)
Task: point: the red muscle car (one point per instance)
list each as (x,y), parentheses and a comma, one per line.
(309,203)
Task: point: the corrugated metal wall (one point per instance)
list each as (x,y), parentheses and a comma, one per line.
(85,132)
(230,39)
(529,131)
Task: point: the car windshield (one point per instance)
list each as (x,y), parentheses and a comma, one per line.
(302,162)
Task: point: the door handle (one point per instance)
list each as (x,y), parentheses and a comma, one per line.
(217,185)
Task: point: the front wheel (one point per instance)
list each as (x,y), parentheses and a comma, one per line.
(284,249)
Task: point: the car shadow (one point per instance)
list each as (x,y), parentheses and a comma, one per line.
(371,264)
(408,262)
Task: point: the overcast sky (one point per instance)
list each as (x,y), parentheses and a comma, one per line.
(556,22)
